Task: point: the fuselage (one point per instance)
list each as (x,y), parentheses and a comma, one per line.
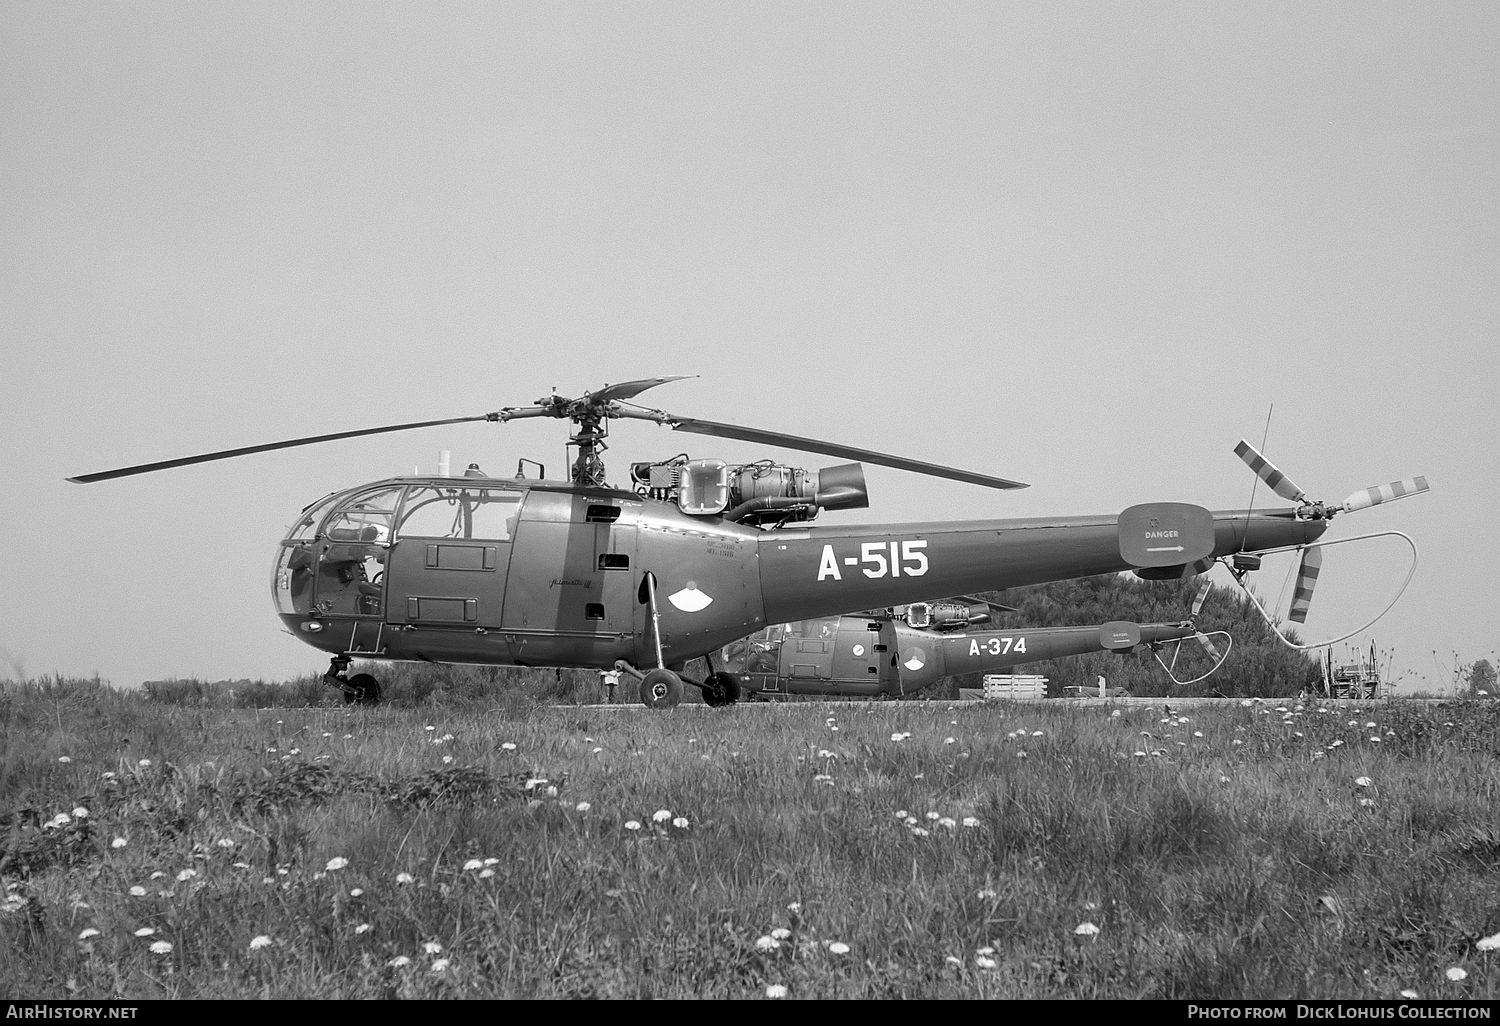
(876,655)
(491,570)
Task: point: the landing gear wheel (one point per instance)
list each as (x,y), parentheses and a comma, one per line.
(365,690)
(661,689)
(721,689)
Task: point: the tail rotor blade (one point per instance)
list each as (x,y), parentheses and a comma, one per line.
(1307,579)
(1266,470)
(1376,494)
(1198,601)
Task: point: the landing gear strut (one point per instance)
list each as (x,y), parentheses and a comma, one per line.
(360,689)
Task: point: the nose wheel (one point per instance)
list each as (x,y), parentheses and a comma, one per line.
(721,689)
(360,689)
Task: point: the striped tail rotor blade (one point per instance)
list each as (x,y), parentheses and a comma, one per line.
(1198,601)
(1376,494)
(1208,646)
(1266,470)
(1307,580)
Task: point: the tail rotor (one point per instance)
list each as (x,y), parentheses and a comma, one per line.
(1312,554)
(1203,639)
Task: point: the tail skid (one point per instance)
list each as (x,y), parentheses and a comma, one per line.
(1310,550)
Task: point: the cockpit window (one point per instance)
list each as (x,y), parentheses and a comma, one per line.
(441,511)
(822,627)
(307,524)
(365,517)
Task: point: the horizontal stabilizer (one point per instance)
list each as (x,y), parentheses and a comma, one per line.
(1163,534)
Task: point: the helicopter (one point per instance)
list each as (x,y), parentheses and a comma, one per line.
(900,652)
(693,555)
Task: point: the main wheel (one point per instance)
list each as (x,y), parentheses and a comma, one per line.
(661,689)
(721,689)
(366,690)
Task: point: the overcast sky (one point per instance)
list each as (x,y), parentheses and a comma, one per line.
(1090,246)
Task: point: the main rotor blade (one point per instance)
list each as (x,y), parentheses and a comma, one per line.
(1208,646)
(1307,580)
(146,468)
(1266,470)
(1376,494)
(631,389)
(744,434)
(975,600)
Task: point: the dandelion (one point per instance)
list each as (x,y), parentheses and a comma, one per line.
(118,842)
(681,823)
(363,928)
(59,820)
(947,823)
(767,943)
(1367,802)
(950,741)
(582,807)
(144,931)
(902,814)
(447,759)
(439,965)
(781,933)
(87,932)
(80,813)
(776,991)
(970,821)
(1362,781)
(432,948)
(485,874)
(137,891)
(921,832)
(1410,994)
(985,962)
(336,863)
(473,864)
(596,751)
(64,759)
(355,892)
(400,961)
(1456,974)
(661,816)
(1086,930)
(1489,943)
(632,824)
(838,948)
(186,875)
(933,815)
(161,947)
(509,746)
(258,942)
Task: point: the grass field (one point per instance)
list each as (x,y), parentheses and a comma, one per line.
(500,847)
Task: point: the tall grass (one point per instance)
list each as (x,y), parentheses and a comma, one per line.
(507,847)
